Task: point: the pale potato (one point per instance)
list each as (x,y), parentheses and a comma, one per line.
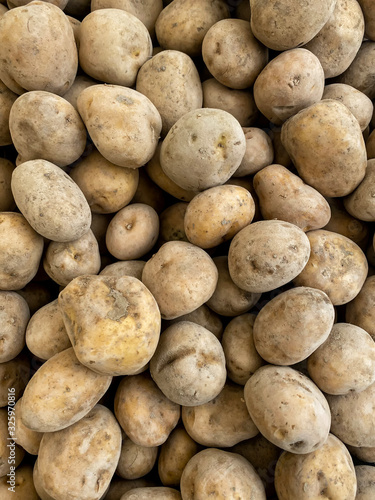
(7,98)
(360,203)
(14,316)
(14,376)
(205,317)
(359,73)
(128,267)
(24,488)
(360,311)
(368,12)
(80,83)
(259,152)
(135,460)
(27,438)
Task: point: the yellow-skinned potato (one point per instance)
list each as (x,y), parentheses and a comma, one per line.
(7,203)
(217,214)
(135,460)
(7,98)
(360,311)
(14,376)
(113,323)
(360,203)
(127,267)
(24,488)
(284,196)
(358,75)
(89,464)
(8,447)
(326,145)
(27,438)
(61,392)
(259,152)
(14,316)
(37,49)
(172,223)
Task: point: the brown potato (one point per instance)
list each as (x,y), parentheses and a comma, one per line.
(14,376)
(14,316)
(203,316)
(135,460)
(150,193)
(361,310)
(80,83)
(259,152)
(128,267)
(359,73)
(27,438)
(152,493)
(24,488)
(7,203)
(7,98)
(119,487)
(172,223)
(368,12)
(360,203)
(364,453)
(365,482)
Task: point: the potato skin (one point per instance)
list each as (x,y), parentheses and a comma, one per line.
(5,441)
(360,311)
(152,493)
(128,267)
(24,489)
(365,482)
(368,12)
(27,438)
(259,152)
(360,203)
(7,203)
(7,98)
(359,73)
(14,316)
(135,460)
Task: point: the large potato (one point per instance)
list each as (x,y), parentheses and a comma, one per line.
(61,392)
(14,316)
(112,112)
(361,310)
(113,323)
(37,49)
(326,145)
(50,201)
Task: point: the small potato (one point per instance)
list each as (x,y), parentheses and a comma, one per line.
(61,392)
(205,317)
(368,12)
(326,145)
(20,251)
(284,196)
(339,40)
(181,277)
(241,357)
(172,223)
(99,226)
(89,464)
(228,37)
(361,310)
(7,203)
(119,487)
(45,333)
(174,455)
(171,81)
(80,83)
(132,232)
(144,412)
(27,438)
(359,74)
(285,331)
(292,81)
(189,364)
(50,201)
(219,473)
(239,103)
(364,453)
(112,112)
(259,152)
(228,299)
(327,472)
(288,409)
(14,376)
(37,294)
(107,187)
(203,149)
(266,255)
(113,322)
(345,362)
(7,98)
(365,482)
(357,102)
(14,316)
(222,422)
(8,447)
(217,214)
(337,266)
(128,268)
(360,203)
(24,488)
(152,493)
(286,25)
(19,3)
(113,46)
(135,460)
(150,193)
(183,24)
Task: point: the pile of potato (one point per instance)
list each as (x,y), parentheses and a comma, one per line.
(187,261)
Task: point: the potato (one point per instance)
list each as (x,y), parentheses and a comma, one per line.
(189,364)
(359,73)
(259,152)
(11,454)
(113,46)
(24,486)
(364,453)
(284,196)
(128,267)
(3,9)
(365,482)
(147,11)
(7,203)
(118,487)
(171,81)
(327,148)
(50,201)
(327,472)
(14,376)
(210,142)
(370,146)
(337,266)
(37,294)
(203,316)
(99,226)
(61,392)
(230,36)
(360,203)
(228,299)
(7,98)
(112,112)
(172,223)
(152,493)
(37,483)
(76,26)
(292,81)
(135,460)
(19,3)
(288,24)
(20,251)
(107,187)
(288,409)
(366,6)
(360,311)
(37,49)
(345,362)
(357,102)
(27,438)
(219,473)
(80,83)
(241,357)
(132,232)
(14,316)
(266,255)
(149,192)
(181,277)
(146,415)
(239,103)
(182,25)
(88,464)
(353,419)
(174,455)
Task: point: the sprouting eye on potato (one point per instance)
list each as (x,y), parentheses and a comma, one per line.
(187,249)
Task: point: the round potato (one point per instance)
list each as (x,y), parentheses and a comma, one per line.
(37,49)
(365,482)
(205,317)
(172,223)
(23,489)
(7,98)
(50,201)
(266,255)
(361,310)
(150,193)
(360,203)
(288,409)
(203,149)
(27,438)
(128,267)
(337,266)
(14,316)
(112,112)
(189,364)
(135,460)
(359,74)
(60,393)
(259,152)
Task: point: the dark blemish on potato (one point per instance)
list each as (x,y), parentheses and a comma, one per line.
(175,356)
(124,100)
(218,48)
